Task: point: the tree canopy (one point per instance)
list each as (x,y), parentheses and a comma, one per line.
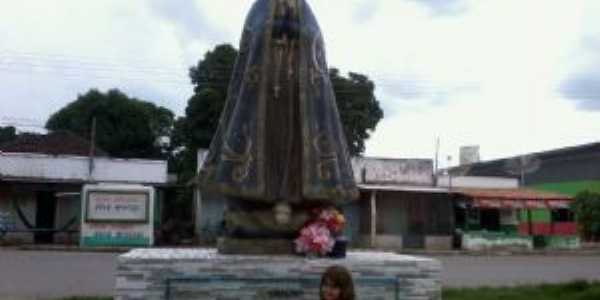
(125,127)
(587,212)
(7,134)
(358,107)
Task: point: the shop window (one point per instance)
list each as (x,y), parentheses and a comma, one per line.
(562,215)
(473,219)
(508,217)
(490,219)
(460,215)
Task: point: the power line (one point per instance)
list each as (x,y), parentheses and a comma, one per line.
(64,62)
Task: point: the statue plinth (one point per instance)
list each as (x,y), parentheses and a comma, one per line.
(177,274)
(255,246)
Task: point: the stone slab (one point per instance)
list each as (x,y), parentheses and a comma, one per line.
(205,274)
(229,245)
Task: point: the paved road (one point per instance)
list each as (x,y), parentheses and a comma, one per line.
(42,275)
(34,275)
(472,271)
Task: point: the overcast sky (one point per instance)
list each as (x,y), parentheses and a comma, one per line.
(513,76)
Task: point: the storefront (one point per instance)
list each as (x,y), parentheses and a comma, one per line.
(514,218)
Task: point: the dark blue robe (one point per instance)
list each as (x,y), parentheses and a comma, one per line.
(280,136)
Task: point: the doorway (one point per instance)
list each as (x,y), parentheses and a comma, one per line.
(45,217)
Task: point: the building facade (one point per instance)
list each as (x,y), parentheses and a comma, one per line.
(40,193)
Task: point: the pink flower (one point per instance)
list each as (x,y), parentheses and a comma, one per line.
(315,238)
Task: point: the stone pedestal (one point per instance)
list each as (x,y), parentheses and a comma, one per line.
(229,245)
(204,274)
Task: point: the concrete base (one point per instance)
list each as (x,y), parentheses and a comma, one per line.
(437,243)
(228,245)
(205,274)
(385,242)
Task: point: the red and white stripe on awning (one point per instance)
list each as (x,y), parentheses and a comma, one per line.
(519,204)
(513,204)
(558,203)
(487,203)
(536,204)
(498,203)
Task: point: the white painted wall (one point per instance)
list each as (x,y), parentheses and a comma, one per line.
(480,243)
(41,166)
(479,182)
(393,171)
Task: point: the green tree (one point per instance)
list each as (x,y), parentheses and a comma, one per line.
(358,107)
(125,127)
(214,71)
(587,212)
(7,134)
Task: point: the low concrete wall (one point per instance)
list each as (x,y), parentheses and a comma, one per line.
(153,274)
(441,242)
(482,241)
(17,238)
(563,242)
(383,241)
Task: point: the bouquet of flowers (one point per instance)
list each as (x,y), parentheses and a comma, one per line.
(317,237)
(333,219)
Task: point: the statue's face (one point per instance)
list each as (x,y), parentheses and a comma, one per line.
(283,214)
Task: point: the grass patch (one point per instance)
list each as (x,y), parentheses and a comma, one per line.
(576,290)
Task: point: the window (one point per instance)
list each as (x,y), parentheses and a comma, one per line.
(562,215)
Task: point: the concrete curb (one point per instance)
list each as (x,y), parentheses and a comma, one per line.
(579,252)
(63,248)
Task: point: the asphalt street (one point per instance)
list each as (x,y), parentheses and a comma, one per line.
(44,274)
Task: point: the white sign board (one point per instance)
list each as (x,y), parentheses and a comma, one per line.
(106,206)
(117,215)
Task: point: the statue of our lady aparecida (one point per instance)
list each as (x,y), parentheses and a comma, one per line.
(279,149)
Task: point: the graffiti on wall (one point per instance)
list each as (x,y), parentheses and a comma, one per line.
(7,222)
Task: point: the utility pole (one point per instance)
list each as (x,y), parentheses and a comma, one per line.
(449,173)
(436,166)
(92,148)
(437,154)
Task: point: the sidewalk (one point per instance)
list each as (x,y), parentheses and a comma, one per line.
(68,248)
(587,251)
(516,252)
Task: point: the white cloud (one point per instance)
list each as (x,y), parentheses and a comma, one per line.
(469,71)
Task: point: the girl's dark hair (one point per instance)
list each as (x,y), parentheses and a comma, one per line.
(339,277)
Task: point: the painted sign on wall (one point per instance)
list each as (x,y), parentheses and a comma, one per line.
(118,206)
(117,215)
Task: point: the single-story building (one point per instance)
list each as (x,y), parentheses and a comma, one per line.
(41,178)
(404,217)
(514,218)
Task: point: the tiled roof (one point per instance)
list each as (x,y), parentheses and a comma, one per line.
(54,143)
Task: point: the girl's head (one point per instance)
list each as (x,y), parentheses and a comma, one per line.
(336,284)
